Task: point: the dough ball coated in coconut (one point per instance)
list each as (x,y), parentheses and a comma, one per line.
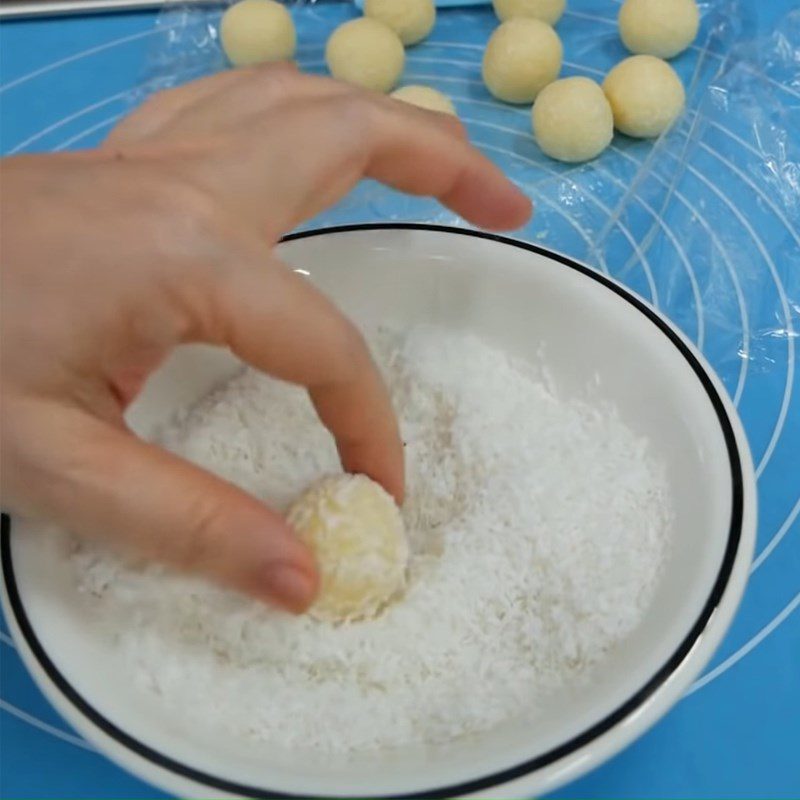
(355,530)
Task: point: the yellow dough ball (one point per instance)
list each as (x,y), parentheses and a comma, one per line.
(548,11)
(660,28)
(354,528)
(366,53)
(646,96)
(411,20)
(523,55)
(572,120)
(425,97)
(256,31)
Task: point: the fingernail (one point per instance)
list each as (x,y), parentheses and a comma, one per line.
(291,587)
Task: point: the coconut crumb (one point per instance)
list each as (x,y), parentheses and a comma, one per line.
(536,526)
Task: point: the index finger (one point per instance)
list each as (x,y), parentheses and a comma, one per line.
(413,151)
(281,324)
(316,150)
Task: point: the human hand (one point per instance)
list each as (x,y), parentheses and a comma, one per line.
(110,258)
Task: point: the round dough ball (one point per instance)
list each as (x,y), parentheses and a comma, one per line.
(255,31)
(548,11)
(425,97)
(366,53)
(523,55)
(411,20)
(354,528)
(572,120)
(646,96)
(660,28)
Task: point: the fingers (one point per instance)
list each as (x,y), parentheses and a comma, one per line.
(294,144)
(416,151)
(279,323)
(289,166)
(111,485)
(418,156)
(481,194)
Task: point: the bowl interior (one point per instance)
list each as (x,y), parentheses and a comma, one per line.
(597,343)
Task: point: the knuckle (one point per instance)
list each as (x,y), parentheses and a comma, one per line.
(188,213)
(358,113)
(188,235)
(160,103)
(200,248)
(454,125)
(195,208)
(157,109)
(276,80)
(352,349)
(198,544)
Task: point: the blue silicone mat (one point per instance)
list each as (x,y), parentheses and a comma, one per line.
(63,82)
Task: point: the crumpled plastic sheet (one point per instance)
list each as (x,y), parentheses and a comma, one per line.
(704,222)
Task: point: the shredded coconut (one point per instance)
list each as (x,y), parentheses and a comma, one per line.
(537,526)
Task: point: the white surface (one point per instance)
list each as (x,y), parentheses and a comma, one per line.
(514,493)
(518,300)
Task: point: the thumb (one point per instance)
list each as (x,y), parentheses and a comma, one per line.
(117,487)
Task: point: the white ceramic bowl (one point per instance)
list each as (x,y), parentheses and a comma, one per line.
(520,297)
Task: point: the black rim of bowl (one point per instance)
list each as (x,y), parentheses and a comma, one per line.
(494,779)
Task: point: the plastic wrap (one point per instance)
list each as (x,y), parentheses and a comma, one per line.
(706,222)
(702,222)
